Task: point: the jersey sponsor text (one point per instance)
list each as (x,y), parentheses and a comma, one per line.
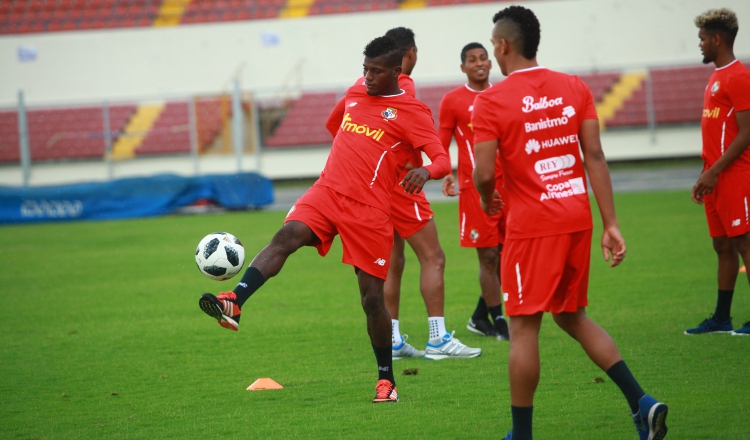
(529,105)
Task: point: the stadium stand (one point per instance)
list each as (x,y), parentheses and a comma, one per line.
(304,123)
(36,16)
(70,133)
(677,97)
(33,16)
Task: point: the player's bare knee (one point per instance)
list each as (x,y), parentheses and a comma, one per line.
(741,244)
(723,245)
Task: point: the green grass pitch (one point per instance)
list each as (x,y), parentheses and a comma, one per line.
(102,338)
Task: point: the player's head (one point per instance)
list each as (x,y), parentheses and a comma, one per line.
(717,30)
(405,39)
(382,66)
(516,30)
(475,63)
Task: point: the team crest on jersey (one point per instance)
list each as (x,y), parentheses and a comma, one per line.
(389,114)
(715,88)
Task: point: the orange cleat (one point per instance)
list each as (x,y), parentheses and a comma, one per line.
(385,391)
(222,308)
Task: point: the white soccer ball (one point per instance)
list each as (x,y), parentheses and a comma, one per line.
(220,256)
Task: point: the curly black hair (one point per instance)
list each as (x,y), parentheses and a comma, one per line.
(527,26)
(404,37)
(719,21)
(384,47)
(469,47)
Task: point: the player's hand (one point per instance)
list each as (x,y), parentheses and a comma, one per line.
(415,180)
(495,205)
(449,186)
(613,245)
(705,185)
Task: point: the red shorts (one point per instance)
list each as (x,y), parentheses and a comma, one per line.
(366,232)
(409,212)
(546,274)
(727,206)
(476,228)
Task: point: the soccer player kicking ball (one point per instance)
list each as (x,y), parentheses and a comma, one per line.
(413,222)
(724,186)
(536,119)
(352,199)
(476,229)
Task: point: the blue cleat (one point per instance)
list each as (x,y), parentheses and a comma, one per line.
(509,436)
(742,331)
(711,325)
(650,420)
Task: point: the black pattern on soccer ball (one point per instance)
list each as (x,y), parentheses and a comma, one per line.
(210,247)
(216,271)
(232,255)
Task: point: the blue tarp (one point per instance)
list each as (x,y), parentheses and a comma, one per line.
(132,197)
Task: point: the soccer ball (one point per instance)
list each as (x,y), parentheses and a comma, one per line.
(220,256)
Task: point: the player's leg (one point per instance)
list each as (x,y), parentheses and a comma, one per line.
(523,371)
(379,330)
(489,280)
(489,285)
(226,307)
(728,266)
(648,414)
(742,245)
(441,344)
(392,291)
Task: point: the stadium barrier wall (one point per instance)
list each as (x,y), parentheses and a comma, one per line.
(133,197)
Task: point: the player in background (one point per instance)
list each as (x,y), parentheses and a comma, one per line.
(476,229)
(412,220)
(724,185)
(352,199)
(536,119)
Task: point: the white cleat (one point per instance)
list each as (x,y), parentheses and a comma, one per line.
(405,350)
(449,347)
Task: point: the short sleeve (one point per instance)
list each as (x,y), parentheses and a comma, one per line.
(447,118)
(485,127)
(589,109)
(738,91)
(422,130)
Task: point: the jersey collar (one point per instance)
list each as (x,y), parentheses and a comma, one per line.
(724,67)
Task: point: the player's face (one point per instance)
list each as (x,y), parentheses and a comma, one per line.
(476,65)
(708,49)
(379,77)
(497,44)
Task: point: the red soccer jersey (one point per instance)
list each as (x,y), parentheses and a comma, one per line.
(727,93)
(535,115)
(375,134)
(405,83)
(455,116)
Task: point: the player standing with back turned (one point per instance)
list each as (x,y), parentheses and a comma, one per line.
(536,119)
(724,186)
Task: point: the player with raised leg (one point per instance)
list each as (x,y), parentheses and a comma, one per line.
(723,187)
(476,229)
(547,251)
(352,199)
(412,222)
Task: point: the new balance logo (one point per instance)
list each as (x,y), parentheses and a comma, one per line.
(352,104)
(383,368)
(242,284)
(569,111)
(735,222)
(380,262)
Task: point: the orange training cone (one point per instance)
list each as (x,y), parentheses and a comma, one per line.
(264,384)
(743,269)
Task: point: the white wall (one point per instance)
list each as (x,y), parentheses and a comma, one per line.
(577,35)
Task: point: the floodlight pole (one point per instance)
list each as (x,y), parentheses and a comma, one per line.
(23,140)
(237,124)
(107,140)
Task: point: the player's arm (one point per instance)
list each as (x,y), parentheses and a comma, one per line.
(484,176)
(440,167)
(337,115)
(707,180)
(445,133)
(613,244)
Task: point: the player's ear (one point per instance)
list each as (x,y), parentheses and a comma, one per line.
(463,68)
(397,71)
